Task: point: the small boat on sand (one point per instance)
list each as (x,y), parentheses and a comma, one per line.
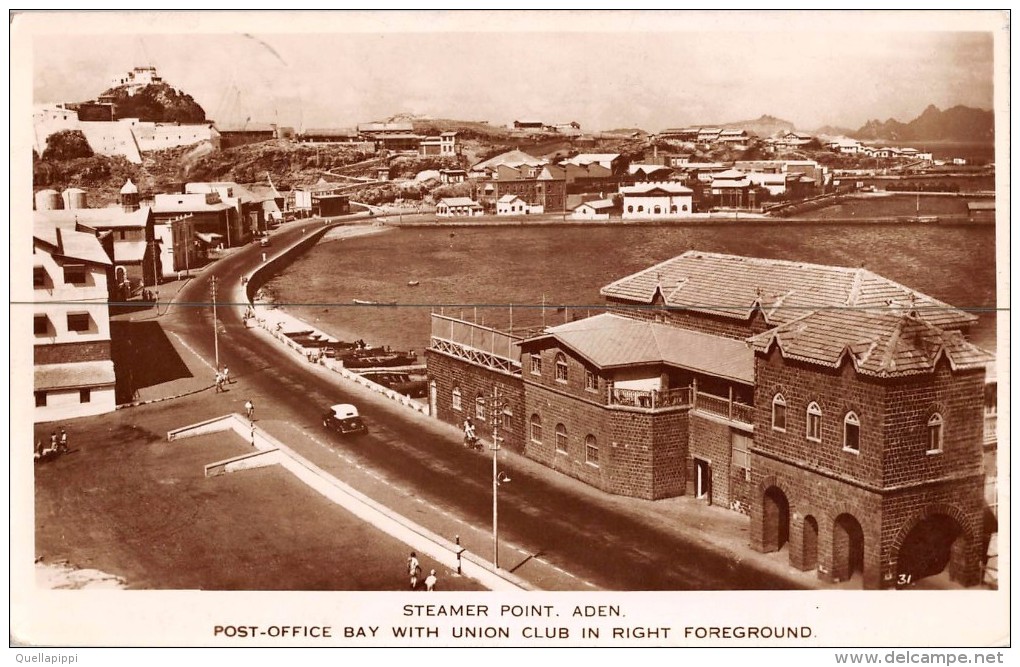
(363,302)
(413,283)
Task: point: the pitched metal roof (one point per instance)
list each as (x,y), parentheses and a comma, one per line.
(78,374)
(129,251)
(459,201)
(612,341)
(642,189)
(733,286)
(879,343)
(513,158)
(98,218)
(70,244)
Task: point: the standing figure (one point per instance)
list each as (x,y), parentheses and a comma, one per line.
(413,569)
(63,441)
(249,409)
(430,581)
(219,382)
(226,375)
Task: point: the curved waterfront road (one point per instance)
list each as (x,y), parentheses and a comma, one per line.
(596,542)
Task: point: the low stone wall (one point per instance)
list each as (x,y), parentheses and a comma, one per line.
(414,535)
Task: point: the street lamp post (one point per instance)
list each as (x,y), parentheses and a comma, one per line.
(216,328)
(496,413)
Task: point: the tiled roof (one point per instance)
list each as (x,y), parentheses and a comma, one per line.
(79,374)
(611,341)
(880,343)
(733,286)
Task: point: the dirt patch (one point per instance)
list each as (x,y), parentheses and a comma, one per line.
(61,576)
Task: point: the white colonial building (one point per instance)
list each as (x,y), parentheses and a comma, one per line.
(74,374)
(657,200)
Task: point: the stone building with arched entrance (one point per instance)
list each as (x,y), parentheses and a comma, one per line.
(868,450)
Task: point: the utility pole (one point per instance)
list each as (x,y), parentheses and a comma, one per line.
(496,414)
(155,275)
(216,326)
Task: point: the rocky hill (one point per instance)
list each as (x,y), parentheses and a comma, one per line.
(959,123)
(763,126)
(156,102)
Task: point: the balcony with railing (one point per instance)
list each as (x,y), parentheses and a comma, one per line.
(726,407)
(651,399)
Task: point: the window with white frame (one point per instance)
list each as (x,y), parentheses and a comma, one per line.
(590,381)
(814,422)
(591,450)
(536,428)
(851,433)
(480,408)
(561,438)
(934,433)
(561,367)
(455,401)
(536,364)
(778,413)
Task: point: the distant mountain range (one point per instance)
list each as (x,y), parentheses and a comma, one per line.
(765,126)
(959,123)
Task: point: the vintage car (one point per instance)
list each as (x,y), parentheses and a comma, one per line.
(344,419)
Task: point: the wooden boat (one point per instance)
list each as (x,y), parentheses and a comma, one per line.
(363,302)
(413,283)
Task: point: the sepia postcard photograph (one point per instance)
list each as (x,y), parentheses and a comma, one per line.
(474,329)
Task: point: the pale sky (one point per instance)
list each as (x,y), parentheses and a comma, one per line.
(617,74)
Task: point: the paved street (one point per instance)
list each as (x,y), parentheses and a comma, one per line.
(549,525)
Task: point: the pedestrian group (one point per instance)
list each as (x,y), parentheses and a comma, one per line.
(414,570)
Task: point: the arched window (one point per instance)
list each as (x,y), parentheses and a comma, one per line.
(561,438)
(814,422)
(684,207)
(672,209)
(480,408)
(591,450)
(778,413)
(630,209)
(455,404)
(640,209)
(935,434)
(851,433)
(536,428)
(658,210)
(561,367)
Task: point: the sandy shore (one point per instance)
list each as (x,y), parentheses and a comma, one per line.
(61,576)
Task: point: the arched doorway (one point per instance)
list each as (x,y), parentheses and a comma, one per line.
(847,547)
(809,544)
(933,544)
(775,520)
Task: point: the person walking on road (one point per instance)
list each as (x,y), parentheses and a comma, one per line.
(219,382)
(63,441)
(249,409)
(226,375)
(413,569)
(430,581)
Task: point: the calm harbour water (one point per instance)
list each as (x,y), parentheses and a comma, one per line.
(477,272)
